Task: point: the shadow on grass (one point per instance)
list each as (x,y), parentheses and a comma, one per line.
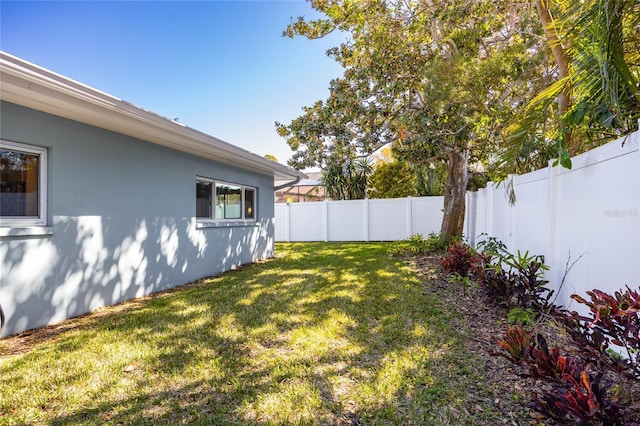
(325,333)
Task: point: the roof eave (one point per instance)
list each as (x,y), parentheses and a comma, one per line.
(34,87)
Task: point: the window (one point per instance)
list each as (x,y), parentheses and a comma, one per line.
(22,184)
(249,196)
(224,201)
(203,199)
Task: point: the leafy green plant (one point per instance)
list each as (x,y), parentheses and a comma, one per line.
(521,316)
(418,245)
(493,249)
(530,287)
(510,279)
(394,179)
(439,242)
(462,280)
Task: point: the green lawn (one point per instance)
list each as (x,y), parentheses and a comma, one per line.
(323,334)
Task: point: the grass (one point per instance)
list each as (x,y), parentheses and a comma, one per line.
(323,334)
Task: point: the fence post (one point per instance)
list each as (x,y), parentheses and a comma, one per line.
(409,217)
(325,220)
(512,238)
(366,219)
(287,227)
(552,189)
(489,210)
(469,213)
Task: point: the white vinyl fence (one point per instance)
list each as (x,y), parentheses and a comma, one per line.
(358,220)
(592,210)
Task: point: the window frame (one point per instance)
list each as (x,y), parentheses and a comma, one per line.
(41,219)
(243,216)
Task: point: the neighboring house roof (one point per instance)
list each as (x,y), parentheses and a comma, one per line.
(310,189)
(311,179)
(34,87)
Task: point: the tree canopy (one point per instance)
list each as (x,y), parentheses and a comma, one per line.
(445,81)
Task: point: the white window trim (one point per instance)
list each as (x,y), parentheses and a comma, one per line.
(41,220)
(240,220)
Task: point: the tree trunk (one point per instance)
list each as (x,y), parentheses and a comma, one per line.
(562,60)
(454,193)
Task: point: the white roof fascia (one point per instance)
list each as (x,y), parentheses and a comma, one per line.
(31,86)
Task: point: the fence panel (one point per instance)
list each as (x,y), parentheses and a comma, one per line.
(281,221)
(346,220)
(530,213)
(307,222)
(500,215)
(426,215)
(389,219)
(598,213)
(358,220)
(592,210)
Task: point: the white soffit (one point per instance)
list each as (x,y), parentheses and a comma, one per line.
(31,86)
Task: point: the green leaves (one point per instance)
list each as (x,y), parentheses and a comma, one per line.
(393,180)
(599,98)
(347,180)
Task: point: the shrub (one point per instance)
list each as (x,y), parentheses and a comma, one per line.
(517,344)
(616,319)
(576,396)
(418,245)
(582,390)
(461,259)
(509,279)
(581,401)
(612,320)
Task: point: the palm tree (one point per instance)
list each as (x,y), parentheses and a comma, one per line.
(606,65)
(595,96)
(347,180)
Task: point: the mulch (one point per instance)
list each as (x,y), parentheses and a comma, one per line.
(482,325)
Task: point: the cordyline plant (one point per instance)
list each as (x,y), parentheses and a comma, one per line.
(614,319)
(512,279)
(581,401)
(576,396)
(461,259)
(517,344)
(582,391)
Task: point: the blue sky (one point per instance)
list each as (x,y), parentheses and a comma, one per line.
(221,67)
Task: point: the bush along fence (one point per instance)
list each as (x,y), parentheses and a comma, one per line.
(592,375)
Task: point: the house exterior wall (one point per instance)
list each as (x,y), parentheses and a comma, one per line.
(121,213)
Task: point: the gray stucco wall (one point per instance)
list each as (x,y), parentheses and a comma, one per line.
(122,213)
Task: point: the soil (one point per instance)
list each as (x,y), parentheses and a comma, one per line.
(482,325)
